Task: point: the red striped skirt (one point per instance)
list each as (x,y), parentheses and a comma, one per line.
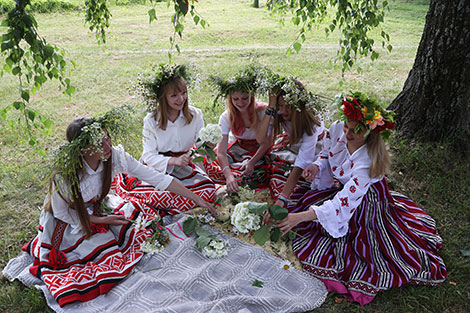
(78,269)
(166,202)
(390,242)
(239,152)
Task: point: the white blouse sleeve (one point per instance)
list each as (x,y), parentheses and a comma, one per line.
(150,154)
(199,125)
(307,149)
(334,215)
(224,123)
(123,162)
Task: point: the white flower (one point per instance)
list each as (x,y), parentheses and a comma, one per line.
(246,194)
(211,133)
(202,218)
(210,219)
(216,248)
(243,220)
(286,265)
(151,248)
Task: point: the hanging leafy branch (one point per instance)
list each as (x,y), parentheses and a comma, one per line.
(97,16)
(354,18)
(34,61)
(181,7)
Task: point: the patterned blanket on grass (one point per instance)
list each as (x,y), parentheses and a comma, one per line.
(180,279)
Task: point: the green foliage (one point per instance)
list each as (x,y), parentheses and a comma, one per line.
(97,15)
(258,283)
(40,6)
(34,61)
(354,18)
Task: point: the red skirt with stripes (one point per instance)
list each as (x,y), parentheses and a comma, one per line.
(239,152)
(281,158)
(166,202)
(78,269)
(390,242)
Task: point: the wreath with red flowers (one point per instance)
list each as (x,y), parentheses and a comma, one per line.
(366,109)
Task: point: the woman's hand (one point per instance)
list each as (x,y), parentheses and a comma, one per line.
(290,221)
(210,145)
(294,219)
(232,184)
(110,219)
(273,99)
(204,204)
(247,169)
(182,160)
(310,172)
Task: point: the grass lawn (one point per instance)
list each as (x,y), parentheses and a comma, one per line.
(105,74)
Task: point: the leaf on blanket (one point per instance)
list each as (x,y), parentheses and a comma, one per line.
(257,283)
(189,225)
(202,242)
(465,252)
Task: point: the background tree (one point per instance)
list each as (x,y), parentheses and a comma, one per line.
(434,105)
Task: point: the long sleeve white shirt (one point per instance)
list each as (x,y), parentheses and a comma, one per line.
(177,137)
(352,171)
(91,185)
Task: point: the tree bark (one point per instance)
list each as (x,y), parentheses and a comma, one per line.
(434,105)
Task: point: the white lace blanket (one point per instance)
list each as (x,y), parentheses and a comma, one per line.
(189,282)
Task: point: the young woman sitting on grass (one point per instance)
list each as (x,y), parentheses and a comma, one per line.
(241,157)
(81,251)
(170,132)
(356,235)
(293,120)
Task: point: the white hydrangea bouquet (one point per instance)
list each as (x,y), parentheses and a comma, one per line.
(247,217)
(207,243)
(210,136)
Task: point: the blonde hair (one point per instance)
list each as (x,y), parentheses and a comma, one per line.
(380,158)
(160,114)
(301,121)
(237,125)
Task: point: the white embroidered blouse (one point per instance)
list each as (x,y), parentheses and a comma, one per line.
(352,171)
(177,137)
(91,184)
(307,152)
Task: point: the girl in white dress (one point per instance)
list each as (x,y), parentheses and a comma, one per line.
(80,251)
(356,235)
(293,120)
(239,156)
(169,134)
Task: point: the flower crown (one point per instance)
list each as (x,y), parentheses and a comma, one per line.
(151,89)
(362,108)
(247,80)
(294,95)
(66,160)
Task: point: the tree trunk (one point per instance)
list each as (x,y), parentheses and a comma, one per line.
(434,105)
(256,3)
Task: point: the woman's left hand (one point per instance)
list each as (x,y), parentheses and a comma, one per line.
(289,222)
(247,168)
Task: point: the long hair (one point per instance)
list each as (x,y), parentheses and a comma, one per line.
(237,124)
(302,120)
(73,131)
(380,158)
(160,114)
